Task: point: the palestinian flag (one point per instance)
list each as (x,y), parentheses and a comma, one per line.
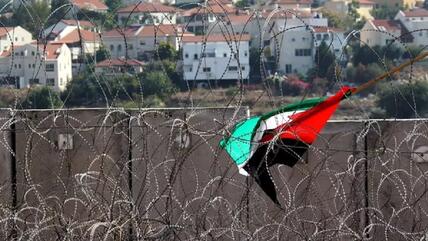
(279,137)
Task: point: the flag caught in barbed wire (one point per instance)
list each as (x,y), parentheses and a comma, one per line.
(279,137)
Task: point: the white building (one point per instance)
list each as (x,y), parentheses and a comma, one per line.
(33,64)
(13,36)
(294,38)
(54,30)
(137,41)
(81,43)
(147,13)
(380,32)
(300,5)
(216,57)
(169,2)
(333,37)
(408,27)
(414,25)
(89,5)
(199,19)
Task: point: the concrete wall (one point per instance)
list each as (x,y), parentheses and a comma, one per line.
(159,174)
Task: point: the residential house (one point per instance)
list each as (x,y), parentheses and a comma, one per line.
(36,64)
(52,31)
(119,66)
(228,3)
(147,13)
(141,41)
(300,5)
(381,32)
(216,57)
(89,5)
(294,39)
(13,36)
(199,19)
(414,25)
(81,43)
(169,2)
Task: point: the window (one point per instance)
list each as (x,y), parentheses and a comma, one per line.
(233,68)
(22,53)
(119,48)
(15,66)
(34,66)
(206,69)
(224,55)
(303,52)
(243,67)
(33,53)
(50,82)
(288,68)
(34,81)
(142,43)
(50,67)
(195,56)
(29,66)
(186,55)
(326,36)
(111,47)
(319,37)
(245,53)
(16,39)
(293,40)
(131,47)
(61,82)
(19,66)
(266,42)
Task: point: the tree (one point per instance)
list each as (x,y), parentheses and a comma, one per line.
(325,61)
(166,51)
(59,9)
(385,12)
(31,17)
(113,5)
(42,98)
(255,55)
(404,100)
(102,54)
(156,83)
(243,4)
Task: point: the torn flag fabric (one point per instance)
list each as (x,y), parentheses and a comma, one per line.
(279,137)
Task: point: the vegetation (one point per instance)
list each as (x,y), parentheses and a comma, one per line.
(42,98)
(385,12)
(404,100)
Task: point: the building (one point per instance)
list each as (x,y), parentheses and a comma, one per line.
(119,66)
(333,37)
(147,13)
(53,31)
(141,41)
(414,25)
(13,36)
(216,57)
(36,64)
(89,5)
(380,32)
(300,5)
(408,28)
(81,43)
(199,19)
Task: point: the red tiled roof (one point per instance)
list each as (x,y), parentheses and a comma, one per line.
(417,12)
(294,1)
(6,30)
(212,8)
(319,29)
(90,4)
(389,25)
(288,14)
(119,62)
(161,30)
(237,19)
(80,35)
(50,49)
(122,32)
(366,2)
(73,22)
(148,8)
(216,38)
